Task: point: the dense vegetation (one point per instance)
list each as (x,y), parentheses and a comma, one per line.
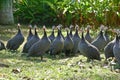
(66,12)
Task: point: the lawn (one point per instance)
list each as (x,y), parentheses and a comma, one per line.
(60,68)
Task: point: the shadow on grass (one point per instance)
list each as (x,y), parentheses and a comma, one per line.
(5,54)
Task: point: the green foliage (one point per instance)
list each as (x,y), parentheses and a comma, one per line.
(66,12)
(34,11)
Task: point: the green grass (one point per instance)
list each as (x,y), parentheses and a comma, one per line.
(60,68)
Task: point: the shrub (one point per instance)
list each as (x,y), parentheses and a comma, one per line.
(67,12)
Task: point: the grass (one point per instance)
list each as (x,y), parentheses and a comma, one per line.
(60,68)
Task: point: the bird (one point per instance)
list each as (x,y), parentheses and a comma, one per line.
(76,40)
(108,50)
(68,44)
(58,43)
(87,36)
(116,49)
(15,42)
(100,42)
(71,35)
(2,46)
(30,34)
(52,35)
(40,47)
(33,40)
(88,50)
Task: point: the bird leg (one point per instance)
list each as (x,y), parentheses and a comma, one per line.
(67,53)
(41,57)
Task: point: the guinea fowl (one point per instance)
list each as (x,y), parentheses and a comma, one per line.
(87,36)
(71,35)
(15,42)
(2,46)
(116,49)
(100,42)
(108,50)
(30,33)
(40,47)
(76,40)
(88,50)
(33,40)
(68,44)
(52,36)
(58,43)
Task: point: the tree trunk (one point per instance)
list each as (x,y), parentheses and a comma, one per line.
(6,12)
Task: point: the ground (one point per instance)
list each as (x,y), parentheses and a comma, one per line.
(16,67)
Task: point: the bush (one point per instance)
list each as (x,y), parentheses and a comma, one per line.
(67,12)
(34,11)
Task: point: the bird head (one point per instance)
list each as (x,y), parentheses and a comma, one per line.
(44,28)
(81,29)
(59,29)
(35,26)
(30,26)
(53,27)
(76,27)
(18,25)
(59,26)
(71,26)
(102,27)
(88,28)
